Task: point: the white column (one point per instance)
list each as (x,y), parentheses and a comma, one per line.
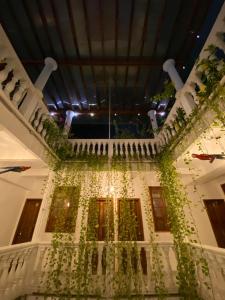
(69,117)
(50,66)
(152,116)
(30,103)
(35,95)
(169,67)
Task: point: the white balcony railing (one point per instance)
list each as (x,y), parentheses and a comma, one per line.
(125,148)
(18,94)
(186,98)
(215,258)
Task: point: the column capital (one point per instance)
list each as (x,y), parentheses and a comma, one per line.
(51,62)
(169,67)
(168,64)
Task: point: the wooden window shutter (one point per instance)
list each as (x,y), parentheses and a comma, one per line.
(159,209)
(100,220)
(63,210)
(130,208)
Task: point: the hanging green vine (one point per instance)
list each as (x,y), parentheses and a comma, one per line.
(182,231)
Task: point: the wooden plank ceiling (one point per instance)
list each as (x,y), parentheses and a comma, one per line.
(99,44)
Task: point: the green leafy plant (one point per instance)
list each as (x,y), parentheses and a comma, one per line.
(167,93)
(212,70)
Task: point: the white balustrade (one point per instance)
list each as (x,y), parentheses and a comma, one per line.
(18,93)
(23,267)
(186,97)
(124,148)
(215,258)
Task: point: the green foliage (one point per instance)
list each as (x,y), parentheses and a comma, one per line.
(176,200)
(72,261)
(212,70)
(57,140)
(168,92)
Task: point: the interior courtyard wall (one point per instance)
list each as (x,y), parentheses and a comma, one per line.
(15,189)
(207,190)
(11,203)
(139,180)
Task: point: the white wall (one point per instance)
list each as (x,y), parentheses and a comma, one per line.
(12,199)
(149,179)
(11,203)
(206,190)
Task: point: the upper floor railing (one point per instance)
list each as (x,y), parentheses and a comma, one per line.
(17,89)
(129,149)
(187,97)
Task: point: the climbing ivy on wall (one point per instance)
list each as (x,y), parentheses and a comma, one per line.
(176,200)
(72,261)
(183,231)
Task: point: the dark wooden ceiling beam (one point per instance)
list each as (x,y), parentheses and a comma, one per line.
(101,25)
(87,28)
(25,42)
(117,111)
(159,27)
(104,61)
(129,38)
(158,30)
(143,37)
(33,27)
(116,30)
(189,26)
(74,35)
(45,25)
(59,31)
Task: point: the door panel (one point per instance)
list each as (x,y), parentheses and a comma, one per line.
(100,219)
(27,222)
(159,209)
(130,208)
(216,212)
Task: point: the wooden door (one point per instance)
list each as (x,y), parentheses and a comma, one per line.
(216,212)
(27,222)
(130,209)
(159,209)
(100,220)
(63,211)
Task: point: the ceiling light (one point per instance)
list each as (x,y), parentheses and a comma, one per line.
(76,114)
(115,114)
(92,114)
(139,114)
(162,113)
(183,67)
(198,36)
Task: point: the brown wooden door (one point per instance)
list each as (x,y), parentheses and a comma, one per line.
(159,209)
(100,220)
(216,212)
(25,228)
(130,209)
